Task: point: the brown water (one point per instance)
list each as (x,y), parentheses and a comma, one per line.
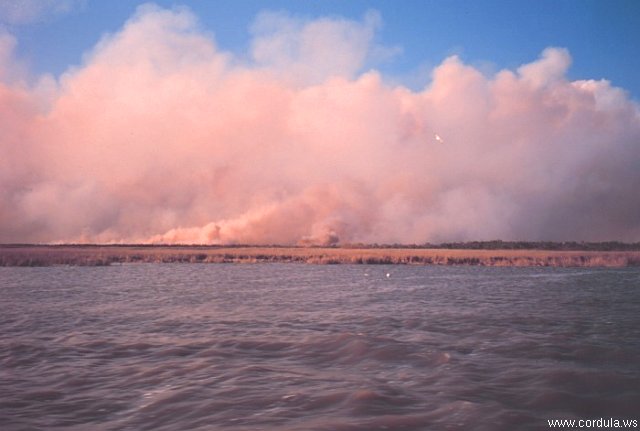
(303,347)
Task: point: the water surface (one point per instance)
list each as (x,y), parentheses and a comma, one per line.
(305,347)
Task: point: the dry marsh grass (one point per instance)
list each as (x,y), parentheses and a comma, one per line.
(107,255)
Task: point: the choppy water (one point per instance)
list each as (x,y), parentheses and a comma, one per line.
(302,347)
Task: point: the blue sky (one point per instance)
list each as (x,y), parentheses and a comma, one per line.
(602,36)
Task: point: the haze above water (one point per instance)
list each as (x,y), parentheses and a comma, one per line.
(300,347)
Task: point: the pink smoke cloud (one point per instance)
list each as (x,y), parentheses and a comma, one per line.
(159,136)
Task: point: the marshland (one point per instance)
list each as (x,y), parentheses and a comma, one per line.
(476,254)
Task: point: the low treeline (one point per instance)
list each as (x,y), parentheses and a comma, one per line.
(513,245)
(468,245)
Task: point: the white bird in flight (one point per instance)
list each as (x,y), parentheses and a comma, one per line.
(438,138)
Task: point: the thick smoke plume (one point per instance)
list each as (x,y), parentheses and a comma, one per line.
(159,136)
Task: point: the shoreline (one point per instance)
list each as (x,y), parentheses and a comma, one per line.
(102,255)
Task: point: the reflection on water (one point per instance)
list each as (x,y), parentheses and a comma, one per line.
(302,347)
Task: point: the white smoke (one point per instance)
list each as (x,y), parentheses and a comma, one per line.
(160,136)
